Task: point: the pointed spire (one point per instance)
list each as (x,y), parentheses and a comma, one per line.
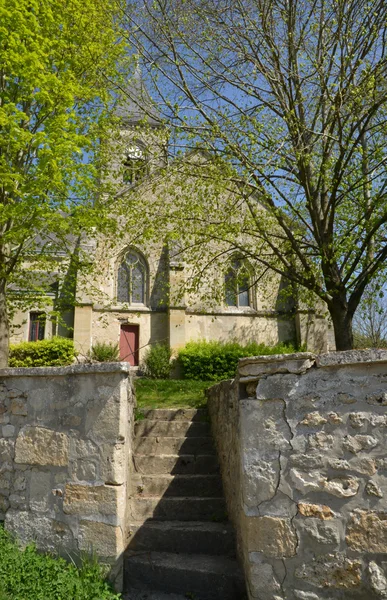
(136,104)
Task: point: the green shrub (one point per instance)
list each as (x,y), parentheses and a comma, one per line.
(104,352)
(44,353)
(27,574)
(157,362)
(215,360)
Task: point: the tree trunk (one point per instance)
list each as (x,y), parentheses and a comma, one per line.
(4,328)
(342,325)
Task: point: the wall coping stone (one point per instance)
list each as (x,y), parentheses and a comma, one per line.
(268,358)
(77,369)
(351,357)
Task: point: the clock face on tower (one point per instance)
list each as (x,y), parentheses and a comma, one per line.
(134,152)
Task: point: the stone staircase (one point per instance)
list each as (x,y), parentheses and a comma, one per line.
(180,540)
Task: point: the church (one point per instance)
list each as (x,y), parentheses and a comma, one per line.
(136,297)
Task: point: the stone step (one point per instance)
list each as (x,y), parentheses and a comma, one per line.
(177,509)
(200,576)
(152,427)
(187,464)
(185,537)
(173,445)
(178,485)
(175,414)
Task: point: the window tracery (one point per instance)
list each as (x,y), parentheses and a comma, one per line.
(132,279)
(237,284)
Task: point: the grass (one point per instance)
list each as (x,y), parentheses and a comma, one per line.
(30,575)
(171,393)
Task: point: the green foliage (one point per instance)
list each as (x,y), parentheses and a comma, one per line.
(169,393)
(61,66)
(43,353)
(215,360)
(28,574)
(157,362)
(105,352)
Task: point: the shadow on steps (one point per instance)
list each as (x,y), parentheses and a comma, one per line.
(180,540)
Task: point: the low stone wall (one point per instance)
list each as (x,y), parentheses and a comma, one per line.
(64,458)
(302,442)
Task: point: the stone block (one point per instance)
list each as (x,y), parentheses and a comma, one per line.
(18,406)
(105,540)
(7,448)
(262,580)
(85,500)
(40,490)
(8,431)
(260,478)
(321,511)
(320,532)
(367,531)
(358,443)
(378,580)
(273,536)
(313,419)
(48,534)
(342,487)
(334,571)
(41,446)
(113,463)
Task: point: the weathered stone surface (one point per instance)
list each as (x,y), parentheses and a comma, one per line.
(305,462)
(306,482)
(342,487)
(40,490)
(321,511)
(378,579)
(344,398)
(351,357)
(263,582)
(261,479)
(48,534)
(334,418)
(276,363)
(313,419)
(320,441)
(373,489)
(301,595)
(279,506)
(4,504)
(273,536)
(105,540)
(7,448)
(357,443)
(41,446)
(265,429)
(92,499)
(331,571)
(8,431)
(378,398)
(367,531)
(320,532)
(18,406)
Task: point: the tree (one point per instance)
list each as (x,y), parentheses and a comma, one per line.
(60,64)
(289,97)
(370,320)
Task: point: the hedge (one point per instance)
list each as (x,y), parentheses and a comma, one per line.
(215,360)
(44,353)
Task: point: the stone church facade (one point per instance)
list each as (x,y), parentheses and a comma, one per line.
(139,301)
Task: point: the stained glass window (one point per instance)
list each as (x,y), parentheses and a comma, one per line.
(131,279)
(237,284)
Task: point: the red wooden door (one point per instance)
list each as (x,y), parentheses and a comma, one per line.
(129,344)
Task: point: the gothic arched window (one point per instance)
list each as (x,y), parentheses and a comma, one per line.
(135,164)
(132,279)
(237,284)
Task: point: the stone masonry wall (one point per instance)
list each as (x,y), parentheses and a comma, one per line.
(64,456)
(302,442)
